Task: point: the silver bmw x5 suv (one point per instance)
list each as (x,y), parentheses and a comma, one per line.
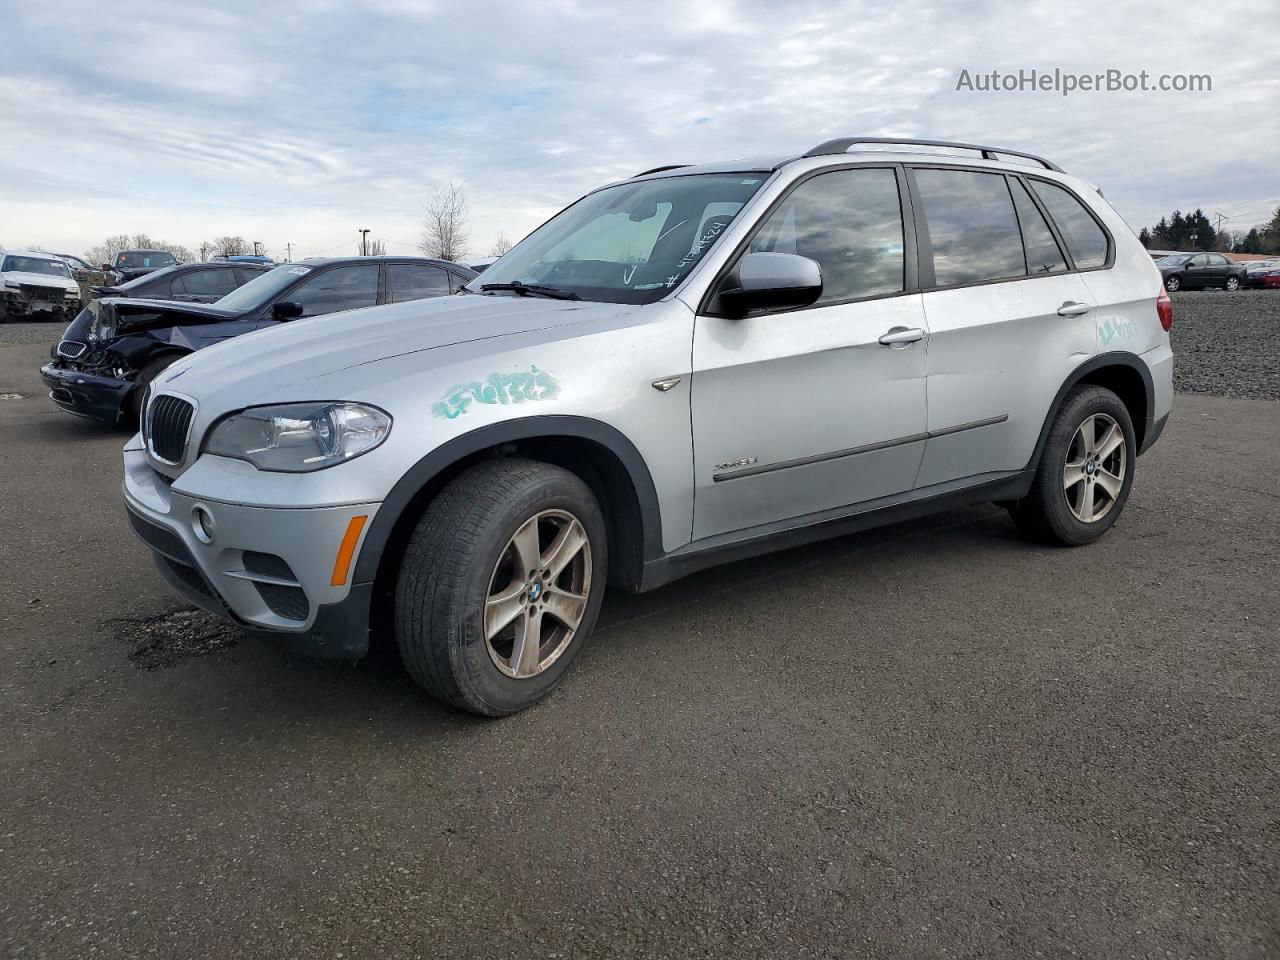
(698,364)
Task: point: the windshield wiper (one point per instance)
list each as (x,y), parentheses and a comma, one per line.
(531,290)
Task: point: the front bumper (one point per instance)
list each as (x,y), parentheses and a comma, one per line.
(15,304)
(270,569)
(86,394)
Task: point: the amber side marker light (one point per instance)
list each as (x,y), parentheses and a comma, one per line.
(347,550)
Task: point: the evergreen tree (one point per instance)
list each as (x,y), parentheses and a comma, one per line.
(1144,237)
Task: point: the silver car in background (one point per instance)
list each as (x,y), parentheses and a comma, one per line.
(688,367)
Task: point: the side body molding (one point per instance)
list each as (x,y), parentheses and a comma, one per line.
(512,431)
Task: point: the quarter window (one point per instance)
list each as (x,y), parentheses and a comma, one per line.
(972,227)
(1043,255)
(850,222)
(412,281)
(1084,238)
(342,288)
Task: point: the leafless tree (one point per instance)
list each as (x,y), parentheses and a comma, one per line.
(444,230)
(501,245)
(229,247)
(375,248)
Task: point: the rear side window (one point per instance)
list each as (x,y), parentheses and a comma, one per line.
(1043,255)
(972,227)
(850,222)
(1084,238)
(415,281)
(205,283)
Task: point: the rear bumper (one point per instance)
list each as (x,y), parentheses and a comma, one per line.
(268,569)
(86,394)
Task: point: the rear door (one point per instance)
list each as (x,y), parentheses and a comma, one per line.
(1008,320)
(803,411)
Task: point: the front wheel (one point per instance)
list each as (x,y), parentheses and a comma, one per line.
(1085,471)
(1173,284)
(500,585)
(1232,284)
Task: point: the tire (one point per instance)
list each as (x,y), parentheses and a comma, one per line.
(459,573)
(1056,507)
(1232,284)
(1173,284)
(149,373)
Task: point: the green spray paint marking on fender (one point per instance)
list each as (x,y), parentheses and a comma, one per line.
(497,388)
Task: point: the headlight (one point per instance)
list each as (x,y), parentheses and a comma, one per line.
(299,437)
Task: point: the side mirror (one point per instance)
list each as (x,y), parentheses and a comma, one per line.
(286,310)
(771,281)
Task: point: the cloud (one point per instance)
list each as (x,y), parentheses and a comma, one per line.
(302,124)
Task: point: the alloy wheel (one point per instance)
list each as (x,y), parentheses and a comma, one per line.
(1094,472)
(1172,284)
(537,594)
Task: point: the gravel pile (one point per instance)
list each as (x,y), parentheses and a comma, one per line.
(21,334)
(1227,344)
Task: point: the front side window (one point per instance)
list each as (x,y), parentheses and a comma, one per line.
(342,288)
(850,222)
(1043,255)
(972,227)
(1084,238)
(415,281)
(629,243)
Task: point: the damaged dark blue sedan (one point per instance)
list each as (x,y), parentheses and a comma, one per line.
(117,345)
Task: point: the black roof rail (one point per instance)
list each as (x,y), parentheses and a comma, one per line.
(669,166)
(842,144)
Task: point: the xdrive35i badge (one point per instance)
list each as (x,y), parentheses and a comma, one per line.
(734,464)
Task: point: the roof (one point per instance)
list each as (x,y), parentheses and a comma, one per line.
(389,258)
(37,254)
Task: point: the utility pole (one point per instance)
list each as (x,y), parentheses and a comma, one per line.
(364,242)
(257,245)
(288,253)
(204,252)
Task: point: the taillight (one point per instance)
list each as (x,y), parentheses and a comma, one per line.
(1164,309)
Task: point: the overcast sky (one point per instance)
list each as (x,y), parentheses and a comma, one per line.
(300,124)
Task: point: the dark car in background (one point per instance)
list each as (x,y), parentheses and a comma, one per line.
(117,345)
(1198,271)
(186,282)
(130,264)
(1256,271)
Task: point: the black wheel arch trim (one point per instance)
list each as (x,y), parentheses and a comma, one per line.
(1115,358)
(511,431)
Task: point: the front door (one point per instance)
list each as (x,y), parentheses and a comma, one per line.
(805,411)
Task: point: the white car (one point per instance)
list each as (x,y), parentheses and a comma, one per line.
(688,367)
(33,283)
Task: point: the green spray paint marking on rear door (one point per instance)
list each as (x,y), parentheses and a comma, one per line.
(497,388)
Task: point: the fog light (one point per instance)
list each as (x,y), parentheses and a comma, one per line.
(202,524)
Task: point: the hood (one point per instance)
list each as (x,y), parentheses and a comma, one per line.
(41,280)
(292,353)
(199,312)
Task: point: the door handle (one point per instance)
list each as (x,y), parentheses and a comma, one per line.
(901,336)
(1073,309)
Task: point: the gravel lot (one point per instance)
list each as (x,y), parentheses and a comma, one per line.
(931,740)
(1227,344)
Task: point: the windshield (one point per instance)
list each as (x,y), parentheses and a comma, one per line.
(51,268)
(263,288)
(630,243)
(1174,260)
(145,258)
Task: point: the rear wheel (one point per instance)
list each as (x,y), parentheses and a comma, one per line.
(500,585)
(1085,471)
(1173,284)
(1232,284)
